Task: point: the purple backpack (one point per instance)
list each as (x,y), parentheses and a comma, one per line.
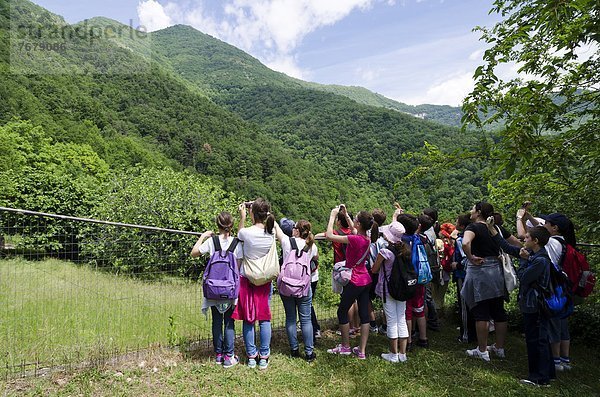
(221,279)
(294,277)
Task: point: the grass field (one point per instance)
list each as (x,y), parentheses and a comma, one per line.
(54,312)
(57,312)
(442,370)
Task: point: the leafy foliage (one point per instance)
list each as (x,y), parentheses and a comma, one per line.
(160,198)
(550,148)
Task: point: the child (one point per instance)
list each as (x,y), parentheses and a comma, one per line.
(221,310)
(395,311)
(304,241)
(534,270)
(357,289)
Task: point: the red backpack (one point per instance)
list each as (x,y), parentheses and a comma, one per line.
(577,268)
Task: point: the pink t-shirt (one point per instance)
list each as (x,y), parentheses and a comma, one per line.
(357,246)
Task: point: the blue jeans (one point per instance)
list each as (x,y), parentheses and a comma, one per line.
(265,338)
(304,305)
(220,344)
(539,355)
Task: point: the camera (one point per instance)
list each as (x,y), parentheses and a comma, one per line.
(248,204)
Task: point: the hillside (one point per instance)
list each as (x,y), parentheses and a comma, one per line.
(105,96)
(186,100)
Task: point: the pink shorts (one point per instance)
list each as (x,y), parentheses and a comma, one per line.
(416,304)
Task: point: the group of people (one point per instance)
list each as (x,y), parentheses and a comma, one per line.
(467,252)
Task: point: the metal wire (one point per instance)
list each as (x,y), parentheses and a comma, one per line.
(76,291)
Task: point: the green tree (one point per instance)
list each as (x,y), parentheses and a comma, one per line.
(550,147)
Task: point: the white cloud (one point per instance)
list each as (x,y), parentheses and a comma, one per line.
(269,29)
(476,55)
(152,15)
(450,91)
(287,65)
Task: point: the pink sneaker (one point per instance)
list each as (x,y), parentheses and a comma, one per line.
(339,349)
(359,355)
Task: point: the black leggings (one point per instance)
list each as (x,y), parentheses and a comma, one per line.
(350,294)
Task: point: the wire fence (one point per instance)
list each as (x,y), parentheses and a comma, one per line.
(76,291)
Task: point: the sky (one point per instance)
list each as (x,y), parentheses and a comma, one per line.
(413,51)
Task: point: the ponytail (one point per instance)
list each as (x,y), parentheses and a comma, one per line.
(224,222)
(270,223)
(304,232)
(374,232)
(261,209)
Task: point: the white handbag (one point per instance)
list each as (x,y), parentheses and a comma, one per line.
(264,269)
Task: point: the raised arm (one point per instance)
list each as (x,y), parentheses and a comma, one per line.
(279,234)
(521,220)
(196,248)
(329,233)
(242,211)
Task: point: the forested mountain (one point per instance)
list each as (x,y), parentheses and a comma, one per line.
(191,101)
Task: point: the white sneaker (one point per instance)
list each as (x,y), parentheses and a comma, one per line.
(391,357)
(498,352)
(485,356)
(402,358)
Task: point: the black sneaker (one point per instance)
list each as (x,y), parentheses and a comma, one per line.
(295,353)
(423,343)
(312,357)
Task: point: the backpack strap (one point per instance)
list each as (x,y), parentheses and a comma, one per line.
(563,254)
(216,243)
(233,245)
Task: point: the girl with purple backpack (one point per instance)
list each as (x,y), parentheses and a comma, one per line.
(294,284)
(221,309)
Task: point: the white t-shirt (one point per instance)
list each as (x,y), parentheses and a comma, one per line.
(554,249)
(256,242)
(208,247)
(286,247)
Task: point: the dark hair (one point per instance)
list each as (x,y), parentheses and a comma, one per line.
(486,209)
(568,234)
(378,219)
(410,223)
(425,221)
(261,209)
(541,234)
(365,220)
(498,219)
(342,218)
(432,213)
(304,232)
(224,221)
(463,220)
(379,216)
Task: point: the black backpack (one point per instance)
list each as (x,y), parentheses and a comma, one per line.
(433,257)
(402,282)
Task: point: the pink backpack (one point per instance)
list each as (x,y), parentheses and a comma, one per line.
(294,277)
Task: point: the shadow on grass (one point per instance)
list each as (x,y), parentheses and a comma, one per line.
(445,370)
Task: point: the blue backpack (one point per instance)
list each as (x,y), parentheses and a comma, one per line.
(420,261)
(221,279)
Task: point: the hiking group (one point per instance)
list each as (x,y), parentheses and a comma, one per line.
(408,263)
